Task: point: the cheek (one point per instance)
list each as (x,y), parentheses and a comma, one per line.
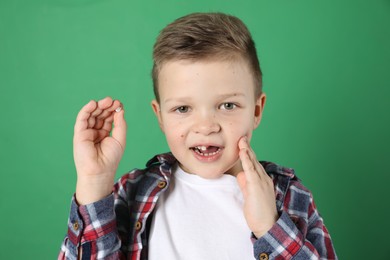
(238,129)
(174,132)
(241,126)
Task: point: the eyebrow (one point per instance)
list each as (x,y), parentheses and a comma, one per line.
(221,97)
(232,95)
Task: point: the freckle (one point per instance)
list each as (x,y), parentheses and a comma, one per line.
(182,136)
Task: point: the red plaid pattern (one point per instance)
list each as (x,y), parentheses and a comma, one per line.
(118,226)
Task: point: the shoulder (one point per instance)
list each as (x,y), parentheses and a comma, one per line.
(282,174)
(166,160)
(274,169)
(291,194)
(156,169)
(283,177)
(157,164)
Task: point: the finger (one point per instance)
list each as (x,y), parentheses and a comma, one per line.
(107,126)
(92,135)
(252,156)
(83,116)
(241,180)
(248,166)
(107,111)
(101,106)
(244,145)
(120,128)
(259,168)
(105,114)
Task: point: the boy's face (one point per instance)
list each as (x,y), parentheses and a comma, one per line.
(205,108)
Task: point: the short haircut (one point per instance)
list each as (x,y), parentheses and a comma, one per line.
(202,36)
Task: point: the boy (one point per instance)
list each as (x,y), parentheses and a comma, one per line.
(209,198)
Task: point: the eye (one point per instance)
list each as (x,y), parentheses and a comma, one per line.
(228,106)
(182,109)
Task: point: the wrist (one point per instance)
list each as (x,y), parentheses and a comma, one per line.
(92,189)
(259,234)
(265,228)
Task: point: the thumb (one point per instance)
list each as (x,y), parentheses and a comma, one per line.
(120,128)
(241,179)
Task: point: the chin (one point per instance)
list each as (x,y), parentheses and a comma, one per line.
(210,172)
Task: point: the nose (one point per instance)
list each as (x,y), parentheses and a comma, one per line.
(206,124)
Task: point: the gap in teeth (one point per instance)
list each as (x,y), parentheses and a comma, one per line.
(199,149)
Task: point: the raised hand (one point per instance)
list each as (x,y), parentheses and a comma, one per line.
(96,153)
(258,190)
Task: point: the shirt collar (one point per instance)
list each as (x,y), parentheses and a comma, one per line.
(168,160)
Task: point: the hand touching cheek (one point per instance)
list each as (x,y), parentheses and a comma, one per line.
(258,190)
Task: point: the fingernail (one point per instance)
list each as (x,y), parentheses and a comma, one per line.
(118,109)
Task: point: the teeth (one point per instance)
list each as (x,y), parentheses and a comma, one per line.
(202,148)
(198,150)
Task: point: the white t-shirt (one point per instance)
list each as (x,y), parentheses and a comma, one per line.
(200,219)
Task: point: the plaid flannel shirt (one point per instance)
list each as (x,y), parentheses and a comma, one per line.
(117,227)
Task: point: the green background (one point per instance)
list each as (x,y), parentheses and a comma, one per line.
(326,73)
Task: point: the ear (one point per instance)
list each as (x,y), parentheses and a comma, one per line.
(259,107)
(157,112)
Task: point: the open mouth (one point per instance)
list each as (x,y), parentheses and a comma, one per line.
(206,150)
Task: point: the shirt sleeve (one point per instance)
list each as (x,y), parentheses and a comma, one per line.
(299,233)
(92,227)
